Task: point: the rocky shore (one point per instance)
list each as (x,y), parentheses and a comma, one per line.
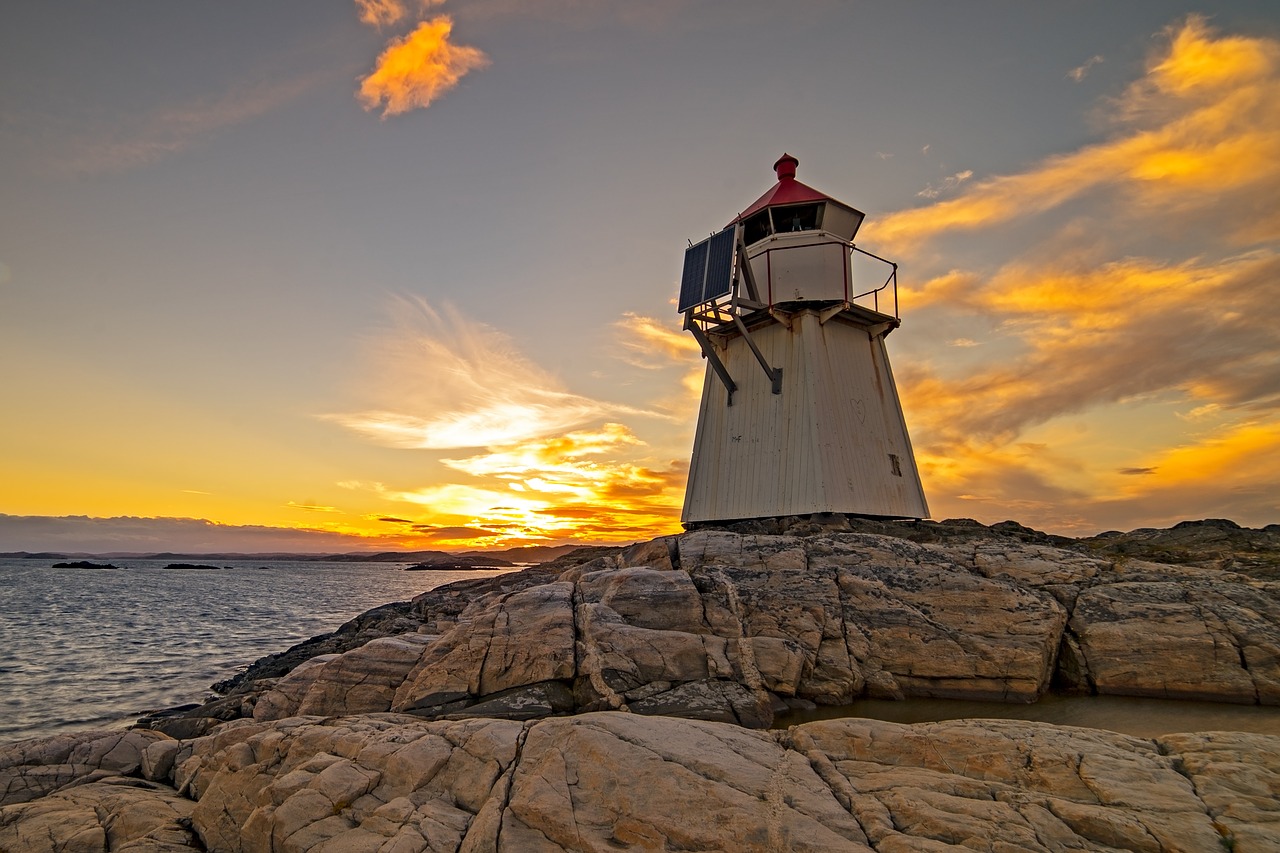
(620,698)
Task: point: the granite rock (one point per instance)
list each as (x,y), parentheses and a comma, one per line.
(730,626)
(607,781)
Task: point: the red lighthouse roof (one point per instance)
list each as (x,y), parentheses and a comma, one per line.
(786,191)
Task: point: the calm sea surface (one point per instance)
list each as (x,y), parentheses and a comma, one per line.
(83,648)
(91,647)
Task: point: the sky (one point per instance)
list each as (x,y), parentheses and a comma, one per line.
(382,274)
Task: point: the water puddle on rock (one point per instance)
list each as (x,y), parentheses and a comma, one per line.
(1125,714)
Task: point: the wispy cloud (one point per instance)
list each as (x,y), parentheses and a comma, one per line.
(141,140)
(415,70)
(946,185)
(440,380)
(1081,71)
(311,507)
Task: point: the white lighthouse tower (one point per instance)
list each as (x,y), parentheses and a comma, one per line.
(799,412)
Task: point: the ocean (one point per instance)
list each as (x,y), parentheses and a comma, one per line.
(82,648)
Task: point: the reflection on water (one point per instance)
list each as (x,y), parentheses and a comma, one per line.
(1124,714)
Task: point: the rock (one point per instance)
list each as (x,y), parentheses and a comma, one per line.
(734,625)
(364,679)
(1237,778)
(989,784)
(518,639)
(112,814)
(605,781)
(1181,640)
(385,621)
(1213,543)
(355,784)
(31,769)
(282,698)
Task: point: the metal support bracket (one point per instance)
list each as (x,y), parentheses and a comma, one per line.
(744,269)
(879,329)
(709,353)
(826,315)
(774,373)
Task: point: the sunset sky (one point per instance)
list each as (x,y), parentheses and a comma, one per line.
(400,273)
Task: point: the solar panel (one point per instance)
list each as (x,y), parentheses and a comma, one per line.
(719,266)
(708,270)
(695,272)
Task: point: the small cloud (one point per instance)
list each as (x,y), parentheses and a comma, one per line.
(947,184)
(884,156)
(391,519)
(452,534)
(310,507)
(385,13)
(1080,72)
(965,342)
(1201,412)
(381,13)
(1136,472)
(360,486)
(194,492)
(415,70)
(651,344)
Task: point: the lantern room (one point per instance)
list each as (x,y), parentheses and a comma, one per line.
(797,240)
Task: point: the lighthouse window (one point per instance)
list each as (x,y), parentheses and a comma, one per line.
(756,228)
(798,217)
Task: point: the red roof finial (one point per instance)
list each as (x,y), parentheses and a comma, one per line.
(786,167)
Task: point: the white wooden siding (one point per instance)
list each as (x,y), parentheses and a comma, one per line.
(822,445)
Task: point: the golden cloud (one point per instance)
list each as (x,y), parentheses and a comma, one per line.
(439,380)
(541,475)
(1099,356)
(649,343)
(415,70)
(1202,124)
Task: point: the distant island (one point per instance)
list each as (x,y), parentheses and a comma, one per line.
(449,562)
(84,564)
(523,555)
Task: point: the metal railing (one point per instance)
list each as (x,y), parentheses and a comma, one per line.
(873,294)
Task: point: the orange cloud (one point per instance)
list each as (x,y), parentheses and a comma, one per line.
(1200,133)
(556,484)
(415,70)
(649,343)
(542,474)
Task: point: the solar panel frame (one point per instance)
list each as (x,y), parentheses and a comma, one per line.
(695,273)
(708,270)
(719,281)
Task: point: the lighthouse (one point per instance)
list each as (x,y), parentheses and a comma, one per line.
(799,412)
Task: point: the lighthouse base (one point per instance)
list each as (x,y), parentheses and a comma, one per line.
(833,441)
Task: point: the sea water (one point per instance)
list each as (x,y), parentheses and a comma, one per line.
(83,648)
